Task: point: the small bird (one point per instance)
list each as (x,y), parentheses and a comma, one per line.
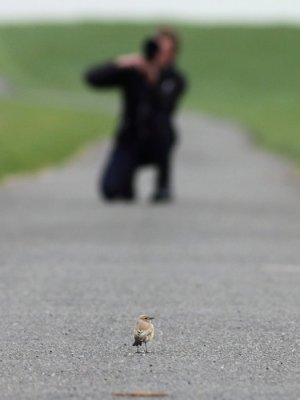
(143,331)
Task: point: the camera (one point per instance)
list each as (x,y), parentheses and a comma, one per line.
(150,49)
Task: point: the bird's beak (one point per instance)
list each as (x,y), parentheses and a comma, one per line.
(151,317)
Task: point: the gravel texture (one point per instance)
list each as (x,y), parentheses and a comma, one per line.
(219,269)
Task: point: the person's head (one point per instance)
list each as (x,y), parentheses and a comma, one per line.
(169,45)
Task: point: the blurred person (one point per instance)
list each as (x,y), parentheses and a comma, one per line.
(137,77)
(151,88)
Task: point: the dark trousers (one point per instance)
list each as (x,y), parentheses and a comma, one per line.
(118,179)
(161,160)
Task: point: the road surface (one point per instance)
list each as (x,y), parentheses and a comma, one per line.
(219,270)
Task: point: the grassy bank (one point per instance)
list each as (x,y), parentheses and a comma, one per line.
(37,135)
(246,74)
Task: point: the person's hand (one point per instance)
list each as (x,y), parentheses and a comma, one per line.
(149,69)
(131,61)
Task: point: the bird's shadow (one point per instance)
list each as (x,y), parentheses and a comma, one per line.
(140,353)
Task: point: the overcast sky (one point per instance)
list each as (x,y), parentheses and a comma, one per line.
(202,10)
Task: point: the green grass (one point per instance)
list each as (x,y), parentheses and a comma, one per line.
(249,75)
(242,73)
(42,135)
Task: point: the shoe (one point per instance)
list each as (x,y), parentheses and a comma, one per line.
(162,196)
(127,195)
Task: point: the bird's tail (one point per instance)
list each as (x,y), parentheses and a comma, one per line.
(136,342)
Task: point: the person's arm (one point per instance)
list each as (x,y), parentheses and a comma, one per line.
(170,91)
(105,76)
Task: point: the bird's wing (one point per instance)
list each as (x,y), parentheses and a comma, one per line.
(142,333)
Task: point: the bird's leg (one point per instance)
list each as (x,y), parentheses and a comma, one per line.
(146,351)
(137,349)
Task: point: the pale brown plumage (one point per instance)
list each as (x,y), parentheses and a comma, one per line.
(143,331)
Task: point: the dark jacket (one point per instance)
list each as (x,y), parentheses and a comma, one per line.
(147,109)
(137,112)
(171,87)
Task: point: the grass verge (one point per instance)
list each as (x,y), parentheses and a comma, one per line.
(249,74)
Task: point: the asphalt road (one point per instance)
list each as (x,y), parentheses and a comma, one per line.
(219,270)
